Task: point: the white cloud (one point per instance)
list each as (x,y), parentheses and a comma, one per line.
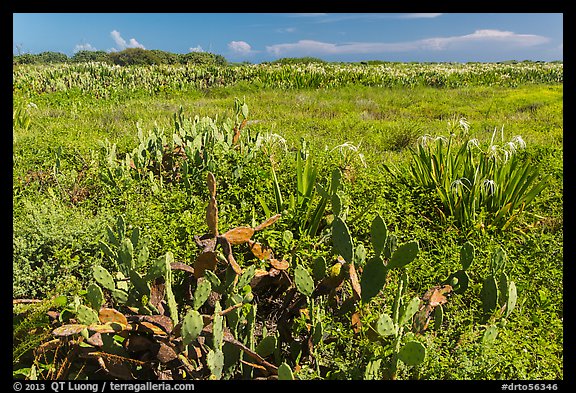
(484,36)
(286,30)
(121,42)
(197,48)
(87,46)
(240,47)
(502,38)
(419,15)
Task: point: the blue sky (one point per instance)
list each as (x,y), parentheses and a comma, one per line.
(257,37)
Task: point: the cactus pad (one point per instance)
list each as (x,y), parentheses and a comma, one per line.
(239,235)
(404,254)
(192,325)
(378,234)
(86,315)
(489,294)
(409,311)
(103,277)
(266,346)
(285,373)
(466,255)
(94,296)
(373,278)
(342,241)
(319,268)
(202,293)
(512,298)
(412,353)
(385,326)
(215,360)
(304,282)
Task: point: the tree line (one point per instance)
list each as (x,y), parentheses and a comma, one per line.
(129,56)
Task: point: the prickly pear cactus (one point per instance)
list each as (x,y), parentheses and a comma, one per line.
(404,254)
(304,282)
(385,326)
(341,240)
(86,315)
(412,353)
(409,311)
(94,296)
(172,305)
(378,234)
(215,360)
(285,372)
(192,325)
(247,276)
(218,327)
(489,294)
(103,277)
(267,346)
(202,293)
(512,298)
(319,268)
(373,278)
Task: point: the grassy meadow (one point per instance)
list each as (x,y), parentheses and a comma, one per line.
(396,222)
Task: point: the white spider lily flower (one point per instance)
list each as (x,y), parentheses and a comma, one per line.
(458,185)
(473,143)
(464,124)
(489,186)
(518,140)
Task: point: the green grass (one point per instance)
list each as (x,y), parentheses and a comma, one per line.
(55,238)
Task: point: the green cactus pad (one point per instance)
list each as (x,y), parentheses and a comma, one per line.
(107,250)
(103,277)
(135,237)
(341,240)
(201,293)
(121,282)
(438,317)
(215,360)
(466,255)
(409,311)
(213,278)
(285,373)
(86,315)
(218,327)
(360,255)
(120,296)
(489,294)
(498,261)
(502,289)
(390,247)
(404,254)
(378,234)
(303,280)
(319,268)
(512,298)
(246,276)
(94,296)
(373,278)
(412,353)
(192,325)
(140,285)
(125,255)
(266,346)
(385,326)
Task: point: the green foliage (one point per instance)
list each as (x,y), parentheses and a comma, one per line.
(313,334)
